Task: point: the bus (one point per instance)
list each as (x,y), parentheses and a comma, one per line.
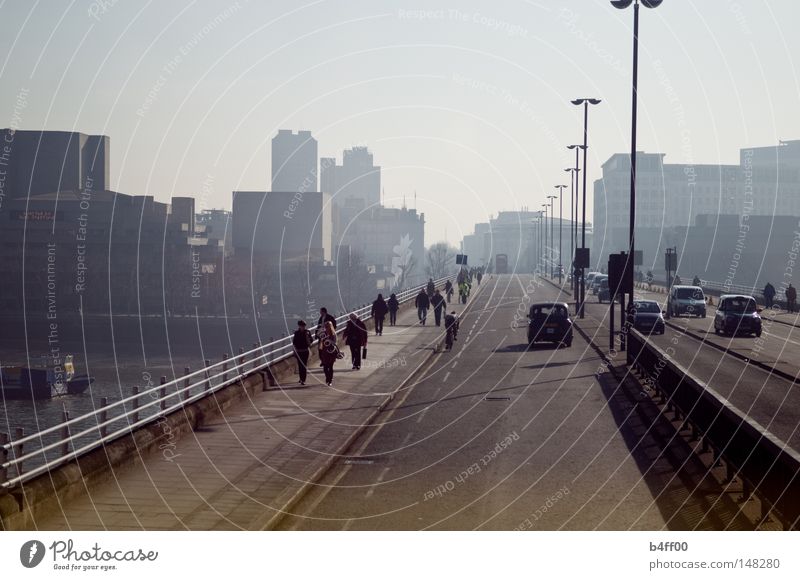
(501,264)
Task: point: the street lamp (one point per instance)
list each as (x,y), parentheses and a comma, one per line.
(622,4)
(560,189)
(574,200)
(552,246)
(544,240)
(585,102)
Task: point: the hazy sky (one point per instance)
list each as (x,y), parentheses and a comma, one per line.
(465,103)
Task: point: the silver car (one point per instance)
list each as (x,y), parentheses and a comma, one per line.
(686,300)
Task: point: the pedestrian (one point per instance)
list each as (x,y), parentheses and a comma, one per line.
(677,280)
(769,295)
(355,336)
(301,341)
(463,292)
(791,298)
(422,302)
(438,306)
(451,329)
(479,276)
(393,304)
(328,351)
(430,287)
(378,312)
(323,318)
(448,290)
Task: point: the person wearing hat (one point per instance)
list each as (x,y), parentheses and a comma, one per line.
(301,341)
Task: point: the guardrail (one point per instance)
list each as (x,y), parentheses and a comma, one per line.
(77,436)
(767,467)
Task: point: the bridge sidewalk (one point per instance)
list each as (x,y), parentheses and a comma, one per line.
(240,470)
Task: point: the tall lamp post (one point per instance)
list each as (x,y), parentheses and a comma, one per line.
(575,192)
(622,4)
(552,245)
(585,102)
(560,189)
(544,240)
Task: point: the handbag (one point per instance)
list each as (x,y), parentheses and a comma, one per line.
(339,353)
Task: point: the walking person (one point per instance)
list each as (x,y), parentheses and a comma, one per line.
(438,306)
(430,287)
(378,312)
(393,304)
(328,351)
(355,336)
(448,290)
(323,318)
(791,298)
(422,302)
(301,341)
(451,329)
(769,295)
(479,276)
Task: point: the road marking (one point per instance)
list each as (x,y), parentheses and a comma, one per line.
(454,365)
(347,525)
(436,392)
(421,415)
(371,490)
(446,376)
(459,354)
(408,436)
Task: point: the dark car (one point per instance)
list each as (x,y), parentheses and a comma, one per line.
(550,322)
(648,316)
(736,314)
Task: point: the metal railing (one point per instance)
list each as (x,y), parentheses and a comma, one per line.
(74,437)
(767,467)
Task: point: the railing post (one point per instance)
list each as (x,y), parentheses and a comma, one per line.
(162,393)
(186,371)
(103,416)
(224,367)
(3,456)
(240,364)
(270,358)
(208,380)
(255,356)
(135,404)
(65,432)
(19,433)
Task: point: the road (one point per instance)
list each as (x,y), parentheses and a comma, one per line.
(498,436)
(769,398)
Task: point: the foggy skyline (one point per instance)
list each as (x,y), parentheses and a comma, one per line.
(468,107)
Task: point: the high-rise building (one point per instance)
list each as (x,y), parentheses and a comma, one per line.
(40,162)
(294,161)
(356,182)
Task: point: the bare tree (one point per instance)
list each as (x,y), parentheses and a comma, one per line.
(439,260)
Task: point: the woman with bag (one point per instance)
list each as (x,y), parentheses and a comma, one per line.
(355,336)
(328,351)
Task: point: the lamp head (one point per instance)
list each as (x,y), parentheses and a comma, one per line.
(651,3)
(621,4)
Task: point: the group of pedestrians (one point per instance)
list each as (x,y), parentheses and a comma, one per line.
(355,334)
(769,293)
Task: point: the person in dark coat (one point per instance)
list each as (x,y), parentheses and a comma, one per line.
(301,341)
(791,298)
(448,290)
(328,351)
(378,312)
(323,318)
(430,287)
(438,306)
(393,304)
(769,295)
(355,336)
(422,302)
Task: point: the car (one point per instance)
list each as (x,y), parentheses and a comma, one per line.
(590,277)
(737,313)
(596,281)
(686,300)
(648,316)
(549,322)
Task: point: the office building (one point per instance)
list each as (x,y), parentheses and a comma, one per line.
(294,162)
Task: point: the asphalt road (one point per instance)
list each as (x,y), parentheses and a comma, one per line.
(498,436)
(770,399)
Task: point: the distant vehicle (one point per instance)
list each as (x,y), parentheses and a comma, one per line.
(590,277)
(686,300)
(501,264)
(737,313)
(648,316)
(550,322)
(42,382)
(596,281)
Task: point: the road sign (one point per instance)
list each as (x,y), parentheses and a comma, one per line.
(581,257)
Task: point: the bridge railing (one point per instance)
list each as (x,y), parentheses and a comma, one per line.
(26,457)
(766,466)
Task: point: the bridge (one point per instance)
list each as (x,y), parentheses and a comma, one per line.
(683,431)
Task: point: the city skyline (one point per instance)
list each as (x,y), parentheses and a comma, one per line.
(467,107)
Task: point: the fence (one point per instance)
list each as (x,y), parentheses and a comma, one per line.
(77,436)
(767,467)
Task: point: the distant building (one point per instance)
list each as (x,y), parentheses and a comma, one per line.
(766,182)
(216,225)
(41,162)
(294,161)
(473,246)
(356,182)
(282,225)
(389,241)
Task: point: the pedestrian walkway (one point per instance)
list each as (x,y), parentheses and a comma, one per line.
(241,469)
